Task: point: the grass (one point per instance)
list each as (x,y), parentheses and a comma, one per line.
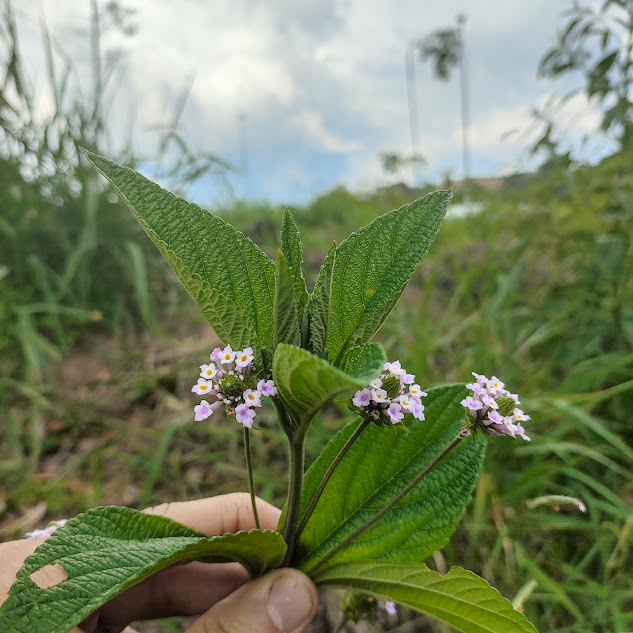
(520,292)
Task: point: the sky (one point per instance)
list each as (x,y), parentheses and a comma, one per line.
(303,96)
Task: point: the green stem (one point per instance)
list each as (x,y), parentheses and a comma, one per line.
(293,504)
(403,493)
(249,466)
(319,491)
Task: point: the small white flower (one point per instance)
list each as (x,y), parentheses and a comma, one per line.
(495,385)
(253,398)
(407,403)
(376,383)
(378,395)
(203,387)
(416,392)
(227,356)
(245,357)
(208,371)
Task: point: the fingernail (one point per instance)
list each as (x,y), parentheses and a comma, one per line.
(290,601)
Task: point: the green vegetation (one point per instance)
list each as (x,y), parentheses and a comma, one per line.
(97,341)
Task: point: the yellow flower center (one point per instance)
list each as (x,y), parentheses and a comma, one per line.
(203,387)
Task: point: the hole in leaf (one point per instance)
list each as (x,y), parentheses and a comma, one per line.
(49,576)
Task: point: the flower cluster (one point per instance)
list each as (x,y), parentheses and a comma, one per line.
(231,378)
(47,531)
(494,409)
(387,398)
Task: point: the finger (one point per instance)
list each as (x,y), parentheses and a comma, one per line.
(13,555)
(180,590)
(219,515)
(284,601)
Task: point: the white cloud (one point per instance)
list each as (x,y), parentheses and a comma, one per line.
(321,82)
(313,128)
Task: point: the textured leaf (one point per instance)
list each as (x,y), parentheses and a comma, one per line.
(319,306)
(286,323)
(215,262)
(306,382)
(376,468)
(373,266)
(293,252)
(106,550)
(460,598)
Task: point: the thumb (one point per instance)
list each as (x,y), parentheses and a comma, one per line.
(283,601)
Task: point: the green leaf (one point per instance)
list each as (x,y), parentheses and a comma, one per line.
(376,468)
(319,306)
(373,266)
(460,598)
(107,550)
(231,279)
(286,322)
(293,252)
(306,382)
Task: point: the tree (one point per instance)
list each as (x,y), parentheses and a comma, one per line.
(598,44)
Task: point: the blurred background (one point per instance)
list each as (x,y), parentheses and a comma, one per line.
(340,111)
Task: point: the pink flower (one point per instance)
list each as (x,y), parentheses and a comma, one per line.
(267,388)
(394,412)
(472,404)
(204,409)
(244,415)
(362,398)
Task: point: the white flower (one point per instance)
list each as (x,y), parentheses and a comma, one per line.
(378,395)
(203,387)
(227,356)
(253,398)
(208,371)
(244,358)
(376,383)
(416,392)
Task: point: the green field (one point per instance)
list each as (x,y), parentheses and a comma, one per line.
(100,346)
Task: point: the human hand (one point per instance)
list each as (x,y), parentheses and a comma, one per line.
(283,601)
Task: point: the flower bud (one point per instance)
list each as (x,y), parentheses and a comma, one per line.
(507,405)
(232,386)
(392,385)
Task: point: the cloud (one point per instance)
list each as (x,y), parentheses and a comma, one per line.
(319,83)
(311,126)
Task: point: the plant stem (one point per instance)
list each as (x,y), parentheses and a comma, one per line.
(249,466)
(293,504)
(405,491)
(319,491)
